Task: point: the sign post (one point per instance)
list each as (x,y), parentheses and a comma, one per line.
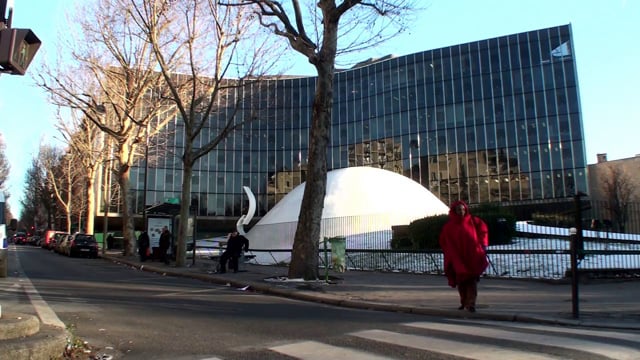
(3,239)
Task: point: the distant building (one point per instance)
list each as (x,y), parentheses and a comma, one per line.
(496,120)
(614,182)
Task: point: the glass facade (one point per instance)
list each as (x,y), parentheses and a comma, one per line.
(496,120)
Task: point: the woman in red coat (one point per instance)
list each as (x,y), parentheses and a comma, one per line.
(463,240)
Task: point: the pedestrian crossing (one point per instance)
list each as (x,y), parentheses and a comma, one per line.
(473,340)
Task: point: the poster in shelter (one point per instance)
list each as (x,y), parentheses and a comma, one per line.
(154,228)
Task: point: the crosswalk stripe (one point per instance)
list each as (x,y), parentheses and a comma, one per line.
(572,331)
(313,350)
(594,347)
(466,350)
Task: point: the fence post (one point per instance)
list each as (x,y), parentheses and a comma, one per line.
(575,236)
(574,273)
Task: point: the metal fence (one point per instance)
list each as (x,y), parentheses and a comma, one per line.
(537,252)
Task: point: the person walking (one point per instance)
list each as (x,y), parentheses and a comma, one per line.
(143,246)
(164,244)
(236,243)
(464,239)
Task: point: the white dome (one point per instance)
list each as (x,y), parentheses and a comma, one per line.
(358,201)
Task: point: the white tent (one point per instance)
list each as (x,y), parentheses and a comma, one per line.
(360,202)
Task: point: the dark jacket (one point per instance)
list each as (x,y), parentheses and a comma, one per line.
(165,240)
(143,242)
(237,243)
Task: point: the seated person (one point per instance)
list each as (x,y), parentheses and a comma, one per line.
(236,243)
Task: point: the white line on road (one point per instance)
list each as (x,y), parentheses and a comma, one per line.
(46,314)
(448,347)
(313,350)
(572,331)
(566,342)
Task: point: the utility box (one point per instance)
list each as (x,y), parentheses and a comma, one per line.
(338,253)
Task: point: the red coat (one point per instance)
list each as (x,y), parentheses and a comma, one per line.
(463,241)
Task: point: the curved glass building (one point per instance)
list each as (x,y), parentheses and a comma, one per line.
(496,120)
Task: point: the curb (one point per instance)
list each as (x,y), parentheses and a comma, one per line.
(18,325)
(47,343)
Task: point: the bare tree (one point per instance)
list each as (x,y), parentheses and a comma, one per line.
(63,176)
(618,188)
(314,32)
(36,200)
(85,139)
(113,82)
(4,175)
(208,55)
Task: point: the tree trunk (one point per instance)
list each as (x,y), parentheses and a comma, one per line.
(91,200)
(304,255)
(185,201)
(127,218)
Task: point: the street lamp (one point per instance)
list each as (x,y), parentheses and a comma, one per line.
(146,172)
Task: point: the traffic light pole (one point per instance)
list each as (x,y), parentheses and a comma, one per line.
(17,46)
(4,6)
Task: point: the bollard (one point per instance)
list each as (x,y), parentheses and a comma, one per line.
(3,262)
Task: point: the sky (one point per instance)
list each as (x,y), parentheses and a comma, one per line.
(606,47)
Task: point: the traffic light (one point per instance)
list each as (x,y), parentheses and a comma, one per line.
(17,49)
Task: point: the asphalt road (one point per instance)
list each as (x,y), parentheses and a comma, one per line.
(131,314)
(144,315)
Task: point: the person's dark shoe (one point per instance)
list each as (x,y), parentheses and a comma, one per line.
(222,272)
(472,309)
(461,307)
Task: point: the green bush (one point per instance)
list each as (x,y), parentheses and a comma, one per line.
(424,233)
(401,243)
(557,220)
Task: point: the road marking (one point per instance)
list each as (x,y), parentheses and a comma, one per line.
(44,311)
(313,350)
(566,342)
(572,331)
(449,347)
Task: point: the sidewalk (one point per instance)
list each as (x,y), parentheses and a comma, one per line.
(605,304)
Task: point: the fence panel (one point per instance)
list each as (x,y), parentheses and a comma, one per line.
(537,252)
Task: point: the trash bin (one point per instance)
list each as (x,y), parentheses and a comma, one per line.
(338,253)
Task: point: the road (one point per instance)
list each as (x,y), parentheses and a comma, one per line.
(132,314)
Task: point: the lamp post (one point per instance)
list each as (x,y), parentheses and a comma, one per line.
(144,187)
(106,199)
(2,201)
(194,208)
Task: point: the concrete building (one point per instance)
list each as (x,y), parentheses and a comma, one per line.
(615,194)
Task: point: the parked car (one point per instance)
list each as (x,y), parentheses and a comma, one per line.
(82,245)
(63,244)
(19,238)
(34,240)
(55,240)
(48,239)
